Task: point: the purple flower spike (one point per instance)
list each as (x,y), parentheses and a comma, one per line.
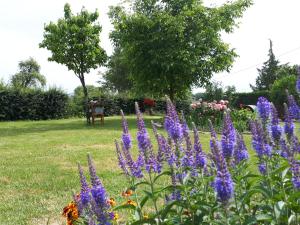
(275,128)
(172,123)
(228,137)
(298,80)
(126,138)
(223,183)
(263,108)
(200,157)
(262,168)
(122,161)
(259,142)
(188,158)
(94,178)
(295,168)
(294,109)
(135,167)
(85,190)
(240,150)
(289,125)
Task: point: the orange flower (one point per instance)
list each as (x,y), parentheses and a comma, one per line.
(127,193)
(112,202)
(71,213)
(130,202)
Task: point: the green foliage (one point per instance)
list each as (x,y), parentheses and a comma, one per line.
(29,75)
(117,77)
(171,46)
(241,119)
(278,92)
(213,91)
(31,104)
(74,41)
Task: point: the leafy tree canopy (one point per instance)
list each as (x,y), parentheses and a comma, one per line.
(117,77)
(74,41)
(176,44)
(29,75)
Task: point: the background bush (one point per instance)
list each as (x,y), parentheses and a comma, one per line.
(278,93)
(29,104)
(248,98)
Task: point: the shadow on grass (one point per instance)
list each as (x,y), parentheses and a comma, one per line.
(24,127)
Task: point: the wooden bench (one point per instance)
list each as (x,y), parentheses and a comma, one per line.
(96,110)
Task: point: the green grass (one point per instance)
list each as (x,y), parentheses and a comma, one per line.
(38,168)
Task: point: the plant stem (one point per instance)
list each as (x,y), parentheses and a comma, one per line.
(153,198)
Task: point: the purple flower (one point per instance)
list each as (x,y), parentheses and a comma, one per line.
(228,137)
(85,190)
(200,157)
(125,136)
(259,141)
(99,202)
(172,123)
(263,108)
(275,128)
(224,186)
(262,168)
(223,183)
(295,144)
(298,80)
(240,150)
(295,168)
(121,159)
(135,167)
(294,109)
(289,125)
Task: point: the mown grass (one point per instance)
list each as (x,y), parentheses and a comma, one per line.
(38,169)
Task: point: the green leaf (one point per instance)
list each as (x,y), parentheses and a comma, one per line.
(264,217)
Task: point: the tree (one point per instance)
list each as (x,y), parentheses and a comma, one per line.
(75,42)
(213,91)
(117,77)
(268,73)
(29,75)
(174,45)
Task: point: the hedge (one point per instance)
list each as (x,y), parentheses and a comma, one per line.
(32,104)
(248,98)
(113,105)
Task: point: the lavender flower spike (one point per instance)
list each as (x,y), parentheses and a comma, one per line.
(172,123)
(298,80)
(240,150)
(289,125)
(275,128)
(121,159)
(85,190)
(200,157)
(294,109)
(223,183)
(295,168)
(94,178)
(125,136)
(263,108)
(228,137)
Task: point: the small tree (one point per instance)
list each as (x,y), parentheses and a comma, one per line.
(268,73)
(75,42)
(29,75)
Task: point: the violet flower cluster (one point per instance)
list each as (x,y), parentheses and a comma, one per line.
(93,199)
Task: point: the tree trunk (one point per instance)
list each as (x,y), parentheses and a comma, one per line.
(172,93)
(86,99)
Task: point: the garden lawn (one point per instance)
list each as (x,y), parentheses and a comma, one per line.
(38,165)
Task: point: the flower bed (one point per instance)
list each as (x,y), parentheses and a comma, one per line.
(180,183)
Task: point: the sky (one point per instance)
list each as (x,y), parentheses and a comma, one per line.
(22,24)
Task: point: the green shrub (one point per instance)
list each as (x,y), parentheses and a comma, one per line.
(248,98)
(32,104)
(278,92)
